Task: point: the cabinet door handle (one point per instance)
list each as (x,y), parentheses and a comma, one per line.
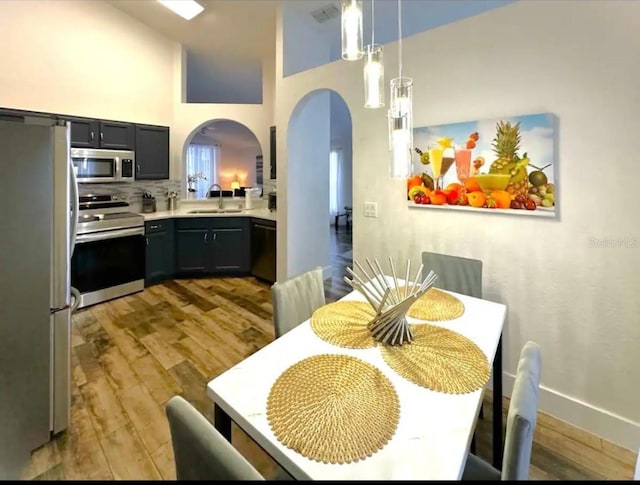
(205,236)
(92,135)
(138,167)
(154,227)
(101,136)
(214,235)
(147,239)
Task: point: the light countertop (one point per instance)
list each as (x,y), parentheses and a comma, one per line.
(186,208)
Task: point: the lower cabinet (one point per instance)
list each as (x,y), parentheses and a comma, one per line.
(160,255)
(211,246)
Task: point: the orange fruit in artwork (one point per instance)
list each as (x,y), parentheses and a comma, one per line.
(454,186)
(502,198)
(471,184)
(476,198)
(438,197)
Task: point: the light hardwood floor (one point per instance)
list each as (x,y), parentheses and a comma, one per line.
(130,355)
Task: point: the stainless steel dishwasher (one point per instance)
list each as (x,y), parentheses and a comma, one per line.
(263,249)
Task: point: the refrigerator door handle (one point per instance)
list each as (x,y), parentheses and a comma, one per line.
(61,237)
(75,209)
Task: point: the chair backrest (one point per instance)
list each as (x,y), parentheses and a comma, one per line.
(462,275)
(295,299)
(521,418)
(201,452)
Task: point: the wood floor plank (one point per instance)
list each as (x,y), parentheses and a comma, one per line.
(105,410)
(117,369)
(202,360)
(194,387)
(127,456)
(165,462)
(81,454)
(88,360)
(211,342)
(147,416)
(163,352)
(131,347)
(156,379)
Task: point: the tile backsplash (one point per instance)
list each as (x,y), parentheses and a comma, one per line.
(132,191)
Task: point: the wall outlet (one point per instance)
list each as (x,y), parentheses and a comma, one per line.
(371,209)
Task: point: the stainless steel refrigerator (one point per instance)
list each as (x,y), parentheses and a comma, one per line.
(38,220)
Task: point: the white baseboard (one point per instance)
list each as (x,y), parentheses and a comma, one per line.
(599,422)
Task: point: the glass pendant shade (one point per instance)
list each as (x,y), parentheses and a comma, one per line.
(373,77)
(401,126)
(352,30)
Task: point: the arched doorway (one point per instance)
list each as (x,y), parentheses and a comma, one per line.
(319,131)
(223,152)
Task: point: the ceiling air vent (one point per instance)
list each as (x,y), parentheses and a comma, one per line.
(325,13)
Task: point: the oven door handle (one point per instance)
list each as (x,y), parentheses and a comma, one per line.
(101,236)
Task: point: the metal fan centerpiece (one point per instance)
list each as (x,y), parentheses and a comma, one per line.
(390,300)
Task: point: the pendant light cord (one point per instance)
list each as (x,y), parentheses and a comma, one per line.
(373,24)
(399,39)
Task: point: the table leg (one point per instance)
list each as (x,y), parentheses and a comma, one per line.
(497,407)
(222,422)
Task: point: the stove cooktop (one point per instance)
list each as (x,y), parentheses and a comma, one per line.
(95,222)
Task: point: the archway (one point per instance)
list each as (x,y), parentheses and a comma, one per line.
(320,123)
(224,152)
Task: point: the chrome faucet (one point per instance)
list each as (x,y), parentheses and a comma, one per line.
(219,190)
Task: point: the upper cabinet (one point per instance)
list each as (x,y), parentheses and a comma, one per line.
(150,142)
(152,152)
(114,135)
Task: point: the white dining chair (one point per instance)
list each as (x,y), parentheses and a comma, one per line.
(521,424)
(295,299)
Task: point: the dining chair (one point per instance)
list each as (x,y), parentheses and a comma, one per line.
(521,423)
(201,452)
(455,273)
(295,299)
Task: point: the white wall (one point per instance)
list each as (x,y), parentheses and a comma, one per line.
(83,58)
(305,46)
(574,59)
(307,178)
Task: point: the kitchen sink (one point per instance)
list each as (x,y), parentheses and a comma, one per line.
(214,211)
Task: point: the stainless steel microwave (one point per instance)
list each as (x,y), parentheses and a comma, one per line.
(99,166)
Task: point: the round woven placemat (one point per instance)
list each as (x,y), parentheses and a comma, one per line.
(436,305)
(333,408)
(344,323)
(439,359)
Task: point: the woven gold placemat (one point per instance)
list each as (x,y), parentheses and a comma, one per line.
(436,305)
(439,359)
(344,323)
(333,408)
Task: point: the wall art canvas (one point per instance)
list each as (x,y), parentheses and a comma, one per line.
(503,165)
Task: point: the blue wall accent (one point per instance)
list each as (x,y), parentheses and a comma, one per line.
(417,16)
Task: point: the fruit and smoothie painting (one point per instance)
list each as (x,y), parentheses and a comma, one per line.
(504,165)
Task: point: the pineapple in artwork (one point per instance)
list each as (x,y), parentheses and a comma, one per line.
(506,145)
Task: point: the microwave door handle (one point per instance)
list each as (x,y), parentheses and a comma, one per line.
(116,167)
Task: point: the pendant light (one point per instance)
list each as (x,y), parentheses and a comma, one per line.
(373,70)
(401,116)
(352,30)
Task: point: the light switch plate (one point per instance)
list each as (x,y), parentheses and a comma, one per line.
(371,209)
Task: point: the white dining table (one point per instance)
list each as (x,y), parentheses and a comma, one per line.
(435,429)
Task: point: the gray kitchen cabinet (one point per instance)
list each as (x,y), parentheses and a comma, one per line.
(160,255)
(152,152)
(212,246)
(91,133)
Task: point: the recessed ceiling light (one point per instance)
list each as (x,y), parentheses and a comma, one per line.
(187,9)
